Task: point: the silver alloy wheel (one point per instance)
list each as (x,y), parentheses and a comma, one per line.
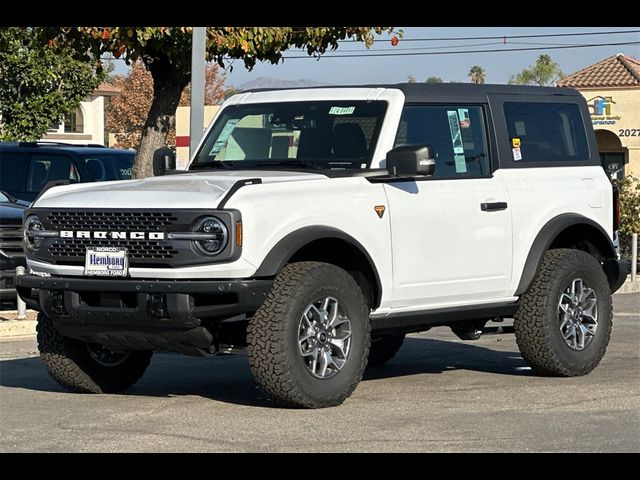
(578,314)
(104,356)
(324,338)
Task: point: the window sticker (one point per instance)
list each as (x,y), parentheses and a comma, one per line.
(521,130)
(456,141)
(224,136)
(461,163)
(342,110)
(465,120)
(517,154)
(515,142)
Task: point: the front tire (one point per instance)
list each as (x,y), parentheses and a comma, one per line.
(308,343)
(84,367)
(564,320)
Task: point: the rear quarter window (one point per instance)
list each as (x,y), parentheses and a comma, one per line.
(546,132)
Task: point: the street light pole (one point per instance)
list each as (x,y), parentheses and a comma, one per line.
(196,117)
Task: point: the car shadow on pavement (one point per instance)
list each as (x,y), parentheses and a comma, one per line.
(426,355)
(228,378)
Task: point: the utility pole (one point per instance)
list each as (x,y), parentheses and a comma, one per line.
(196,117)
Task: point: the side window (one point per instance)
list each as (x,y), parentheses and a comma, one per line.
(456,133)
(45,168)
(12,172)
(546,132)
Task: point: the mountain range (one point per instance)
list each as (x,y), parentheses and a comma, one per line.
(271,82)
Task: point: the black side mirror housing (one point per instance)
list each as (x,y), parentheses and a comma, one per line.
(411,161)
(164,161)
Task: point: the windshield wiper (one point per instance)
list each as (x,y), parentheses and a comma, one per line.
(280,163)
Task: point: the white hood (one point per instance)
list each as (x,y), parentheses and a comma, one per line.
(191,190)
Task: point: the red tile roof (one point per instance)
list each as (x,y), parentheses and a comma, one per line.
(107,90)
(616,71)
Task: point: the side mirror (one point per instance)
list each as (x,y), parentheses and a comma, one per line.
(164,161)
(411,161)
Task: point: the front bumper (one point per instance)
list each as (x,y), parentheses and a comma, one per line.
(142,314)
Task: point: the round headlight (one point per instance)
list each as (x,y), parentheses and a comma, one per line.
(32,224)
(217,235)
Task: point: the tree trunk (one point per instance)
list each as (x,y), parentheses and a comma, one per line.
(168,84)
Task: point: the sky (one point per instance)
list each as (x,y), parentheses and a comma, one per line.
(499,65)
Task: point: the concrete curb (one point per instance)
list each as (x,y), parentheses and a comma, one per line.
(17,328)
(629,287)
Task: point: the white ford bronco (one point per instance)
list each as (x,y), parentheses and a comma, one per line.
(317,227)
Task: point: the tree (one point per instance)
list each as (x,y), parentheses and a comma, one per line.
(231,91)
(127,113)
(433,80)
(37,86)
(629,212)
(214,90)
(544,72)
(477,74)
(411,79)
(166,52)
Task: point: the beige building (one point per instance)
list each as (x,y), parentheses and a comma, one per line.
(611,88)
(182,132)
(86,124)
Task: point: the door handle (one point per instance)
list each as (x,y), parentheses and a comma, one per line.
(493,206)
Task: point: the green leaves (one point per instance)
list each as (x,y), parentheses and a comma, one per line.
(544,72)
(39,84)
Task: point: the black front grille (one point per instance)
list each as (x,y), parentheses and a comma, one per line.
(140,252)
(11,240)
(137,249)
(111,221)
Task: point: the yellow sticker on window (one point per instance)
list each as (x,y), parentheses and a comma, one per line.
(515,142)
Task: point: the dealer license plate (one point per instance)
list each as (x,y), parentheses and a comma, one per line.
(106,261)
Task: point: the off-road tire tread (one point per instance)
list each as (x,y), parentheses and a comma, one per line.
(532,335)
(266,339)
(55,353)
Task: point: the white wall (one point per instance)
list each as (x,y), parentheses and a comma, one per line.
(93,112)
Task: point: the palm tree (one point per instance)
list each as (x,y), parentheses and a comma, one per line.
(477,74)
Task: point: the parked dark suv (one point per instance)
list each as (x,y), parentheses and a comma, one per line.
(25,168)
(11,254)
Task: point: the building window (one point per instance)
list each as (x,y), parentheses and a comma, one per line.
(74,122)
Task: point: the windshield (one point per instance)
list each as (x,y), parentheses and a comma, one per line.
(4,198)
(321,135)
(104,167)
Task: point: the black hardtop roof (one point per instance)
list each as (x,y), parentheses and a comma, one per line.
(62,147)
(422,92)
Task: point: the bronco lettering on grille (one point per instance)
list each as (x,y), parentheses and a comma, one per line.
(113,235)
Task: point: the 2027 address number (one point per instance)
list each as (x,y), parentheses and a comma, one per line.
(629,132)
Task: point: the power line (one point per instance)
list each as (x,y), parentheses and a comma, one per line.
(401,54)
(503,37)
(396,49)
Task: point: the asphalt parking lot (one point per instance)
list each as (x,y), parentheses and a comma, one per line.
(438,394)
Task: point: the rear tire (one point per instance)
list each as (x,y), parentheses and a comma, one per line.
(308,343)
(384,348)
(84,367)
(564,320)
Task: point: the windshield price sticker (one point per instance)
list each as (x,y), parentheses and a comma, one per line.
(342,110)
